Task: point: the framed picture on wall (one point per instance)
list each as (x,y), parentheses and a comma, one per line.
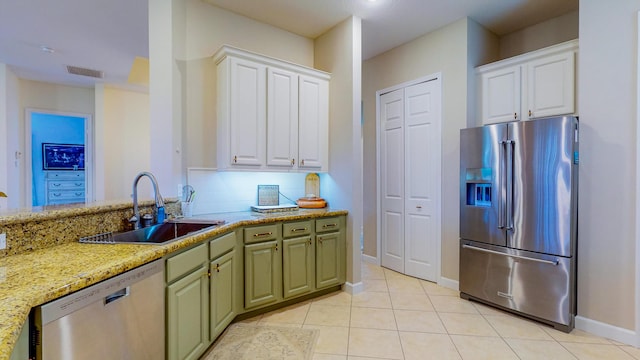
(62,156)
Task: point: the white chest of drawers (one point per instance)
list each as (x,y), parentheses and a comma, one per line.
(64,187)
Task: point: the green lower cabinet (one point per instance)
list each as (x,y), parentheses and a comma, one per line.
(297,266)
(329,255)
(222,293)
(187,316)
(262,274)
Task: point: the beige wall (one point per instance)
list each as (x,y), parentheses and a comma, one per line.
(445,51)
(207,29)
(547,33)
(606,216)
(338,52)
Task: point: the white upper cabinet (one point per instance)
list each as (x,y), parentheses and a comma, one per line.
(272,114)
(536,84)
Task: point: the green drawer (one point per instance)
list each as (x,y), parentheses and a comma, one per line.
(222,245)
(260,233)
(327,224)
(185,262)
(296,229)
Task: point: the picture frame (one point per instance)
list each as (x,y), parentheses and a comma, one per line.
(62,156)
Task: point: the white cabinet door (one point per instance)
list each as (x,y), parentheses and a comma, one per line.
(501,95)
(551,85)
(313,137)
(391,179)
(247,115)
(422,171)
(282,117)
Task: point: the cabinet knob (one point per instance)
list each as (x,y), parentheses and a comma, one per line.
(293,162)
(529,113)
(235,159)
(302,162)
(515,116)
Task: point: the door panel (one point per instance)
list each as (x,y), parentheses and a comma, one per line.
(422,169)
(542,190)
(482,188)
(282,117)
(392,184)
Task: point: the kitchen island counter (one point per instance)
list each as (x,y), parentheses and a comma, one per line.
(33,278)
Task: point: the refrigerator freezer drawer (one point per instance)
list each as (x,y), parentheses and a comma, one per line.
(539,286)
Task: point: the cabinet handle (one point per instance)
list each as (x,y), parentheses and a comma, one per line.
(298,229)
(302,162)
(56,194)
(217,267)
(78,184)
(263,234)
(320,240)
(327,226)
(529,113)
(56,184)
(418,207)
(276,247)
(293,162)
(78,194)
(208,274)
(515,116)
(235,159)
(309,242)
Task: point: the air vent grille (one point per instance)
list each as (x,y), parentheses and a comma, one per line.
(85,72)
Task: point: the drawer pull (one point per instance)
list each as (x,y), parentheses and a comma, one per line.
(327,226)
(56,194)
(263,234)
(298,229)
(56,184)
(79,194)
(79,184)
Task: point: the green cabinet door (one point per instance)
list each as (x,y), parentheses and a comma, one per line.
(297,266)
(187,316)
(262,274)
(222,293)
(329,255)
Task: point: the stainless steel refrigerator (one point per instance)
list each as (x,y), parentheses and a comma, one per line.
(518,217)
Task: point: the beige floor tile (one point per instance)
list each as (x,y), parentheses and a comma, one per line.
(370,271)
(452,304)
(331,340)
(481,348)
(432,288)
(517,328)
(294,314)
(338,298)
(537,349)
(422,321)
(375,343)
(596,351)
(422,346)
(371,299)
(375,285)
(328,315)
(364,358)
(405,285)
(404,301)
(466,324)
(373,318)
(633,351)
(388,273)
(577,336)
(328,357)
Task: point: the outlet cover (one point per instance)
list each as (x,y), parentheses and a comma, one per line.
(3,241)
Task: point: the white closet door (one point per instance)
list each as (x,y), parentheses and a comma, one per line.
(391,179)
(421,179)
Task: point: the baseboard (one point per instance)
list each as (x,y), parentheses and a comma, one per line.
(353,288)
(448,283)
(608,331)
(370,259)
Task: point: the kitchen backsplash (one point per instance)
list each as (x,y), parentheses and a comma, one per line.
(228,191)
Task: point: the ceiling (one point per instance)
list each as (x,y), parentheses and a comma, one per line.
(99,35)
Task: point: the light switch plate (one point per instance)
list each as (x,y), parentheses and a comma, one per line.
(3,241)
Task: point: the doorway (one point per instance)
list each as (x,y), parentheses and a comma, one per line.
(409,173)
(58,154)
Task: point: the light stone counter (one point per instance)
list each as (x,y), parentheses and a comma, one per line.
(31,278)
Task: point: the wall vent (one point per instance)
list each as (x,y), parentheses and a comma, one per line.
(84,72)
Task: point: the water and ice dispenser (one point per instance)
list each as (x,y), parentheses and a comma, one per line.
(479,187)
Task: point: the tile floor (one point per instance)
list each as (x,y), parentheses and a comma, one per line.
(400,317)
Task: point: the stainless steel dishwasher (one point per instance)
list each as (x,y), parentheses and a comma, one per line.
(119,318)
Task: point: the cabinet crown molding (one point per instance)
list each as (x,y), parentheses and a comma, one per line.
(226,50)
(532,55)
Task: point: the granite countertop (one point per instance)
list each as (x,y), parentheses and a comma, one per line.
(34,278)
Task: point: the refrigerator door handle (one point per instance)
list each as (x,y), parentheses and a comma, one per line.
(550,262)
(502,179)
(509,211)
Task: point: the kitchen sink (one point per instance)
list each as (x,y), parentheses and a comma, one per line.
(155,234)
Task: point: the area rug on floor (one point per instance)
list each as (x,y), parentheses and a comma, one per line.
(243,341)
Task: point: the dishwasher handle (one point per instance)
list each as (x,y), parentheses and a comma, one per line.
(116,295)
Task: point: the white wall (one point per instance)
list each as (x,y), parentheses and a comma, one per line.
(4,148)
(338,51)
(607,206)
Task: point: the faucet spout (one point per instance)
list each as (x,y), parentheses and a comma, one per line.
(135,220)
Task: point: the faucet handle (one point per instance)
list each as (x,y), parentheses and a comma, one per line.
(134,222)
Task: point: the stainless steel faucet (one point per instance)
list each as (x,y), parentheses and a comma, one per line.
(135,220)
